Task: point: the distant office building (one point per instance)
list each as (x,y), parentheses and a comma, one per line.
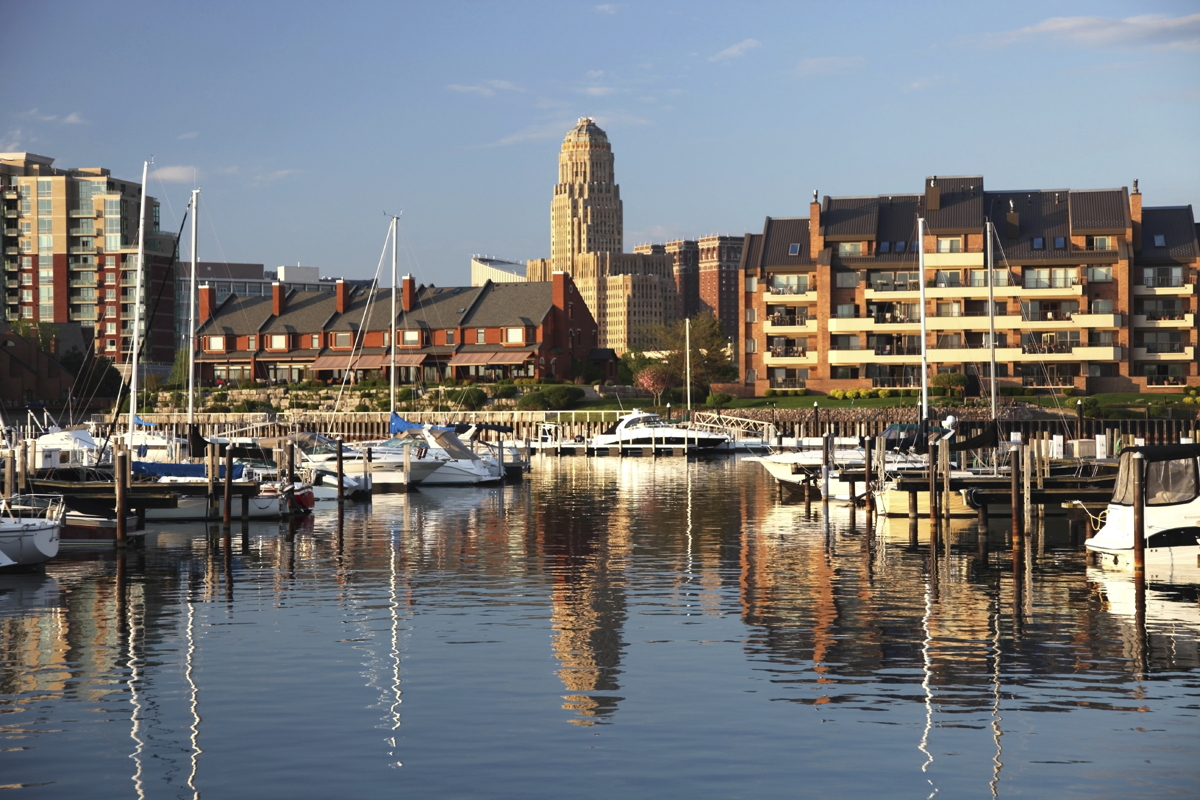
(496,270)
(706,276)
(70,255)
(625,292)
(244,280)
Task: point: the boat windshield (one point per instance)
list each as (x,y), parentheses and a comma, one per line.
(1167,482)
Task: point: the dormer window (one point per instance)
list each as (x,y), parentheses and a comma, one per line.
(949,244)
(1160,240)
(900,247)
(793,249)
(1099,243)
(449,337)
(343,340)
(216,343)
(251,342)
(514,336)
(1060,243)
(412,338)
(1039,243)
(885,247)
(277,341)
(849,249)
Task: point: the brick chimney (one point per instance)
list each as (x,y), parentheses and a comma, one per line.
(207,304)
(278,299)
(408,293)
(816,242)
(559,281)
(1135,217)
(342,291)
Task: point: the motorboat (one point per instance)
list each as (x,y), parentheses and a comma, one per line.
(453,462)
(30,525)
(642,429)
(386,469)
(1171,493)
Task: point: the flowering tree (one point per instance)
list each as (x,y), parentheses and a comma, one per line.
(656,379)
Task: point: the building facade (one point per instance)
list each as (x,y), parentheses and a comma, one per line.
(70,255)
(498,330)
(587,243)
(496,270)
(1092,291)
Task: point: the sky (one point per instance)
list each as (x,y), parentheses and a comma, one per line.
(304,124)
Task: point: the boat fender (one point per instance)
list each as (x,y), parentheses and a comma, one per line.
(974,497)
(579,439)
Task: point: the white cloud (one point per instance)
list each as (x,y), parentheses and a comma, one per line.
(188,135)
(11,142)
(176,174)
(504,86)
(74,119)
(607,8)
(487,88)
(597,91)
(1152,30)
(829,65)
(595,74)
(266,179)
(37,115)
(736,51)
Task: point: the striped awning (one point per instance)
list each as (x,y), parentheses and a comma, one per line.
(489,359)
(339,361)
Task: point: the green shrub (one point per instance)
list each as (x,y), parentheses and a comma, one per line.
(838,394)
(221,397)
(563,397)
(533,401)
(217,408)
(1028,392)
(404,395)
(505,382)
(471,398)
(885,393)
(1189,400)
(801,392)
(718,400)
(1068,391)
(769,393)
(505,390)
(362,407)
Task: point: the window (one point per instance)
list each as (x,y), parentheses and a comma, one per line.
(1039,243)
(110,327)
(1099,243)
(1102,370)
(1102,306)
(110,345)
(849,248)
(846,311)
(751,345)
(1160,240)
(844,342)
(1037,278)
(751,285)
(1102,338)
(1060,243)
(43,185)
(1099,274)
(900,247)
(216,343)
(412,338)
(751,376)
(951,341)
(87,294)
(251,342)
(793,249)
(751,315)
(514,335)
(449,337)
(27,295)
(111,311)
(949,244)
(845,373)
(27,279)
(943,278)
(885,247)
(1162,276)
(45,208)
(45,225)
(315,341)
(45,245)
(480,335)
(277,341)
(346,339)
(847,279)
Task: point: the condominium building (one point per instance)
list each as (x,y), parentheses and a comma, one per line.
(627,293)
(1091,290)
(70,255)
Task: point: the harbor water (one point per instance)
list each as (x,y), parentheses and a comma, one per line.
(636,628)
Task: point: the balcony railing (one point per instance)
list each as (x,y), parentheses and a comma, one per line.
(82,212)
(896,319)
(1048,349)
(788,319)
(80,250)
(1164,316)
(789,352)
(896,350)
(944,283)
(895,383)
(1048,380)
(1166,380)
(82,231)
(1173,281)
(82,282)
(1048,316)
(1053,283)
(800,289)
(897,286)
(854,346)
(788,383)
(1162,347)
(12,232)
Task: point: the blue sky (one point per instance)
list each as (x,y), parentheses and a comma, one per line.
(303,123)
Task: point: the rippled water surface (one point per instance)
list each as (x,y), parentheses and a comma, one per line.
(631,628)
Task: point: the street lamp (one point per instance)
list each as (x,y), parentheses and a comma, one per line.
(1079,419)
(668,412)
(816,419)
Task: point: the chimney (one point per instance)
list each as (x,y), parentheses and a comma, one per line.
(1013,229)
(559,280)
(816,242)
(933,195)
(278,299)
(342,292)
(1135,217)
(207,304)
(408,292)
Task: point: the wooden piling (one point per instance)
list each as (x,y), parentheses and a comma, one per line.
(120,486)
(1015,474)
(211,471)
(867,465)
(341,471)
(227,507)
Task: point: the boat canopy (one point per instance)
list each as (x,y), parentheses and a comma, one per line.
(167,470)
(1171,475)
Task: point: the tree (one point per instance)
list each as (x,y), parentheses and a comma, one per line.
(632,362)
(949,380)
(710,357)
(656,379)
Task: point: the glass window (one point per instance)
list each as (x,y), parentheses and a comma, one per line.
(1060,243)
(849,248)
(793,249)
(449,337)
(45,208)
(514,335)
(847,279)
(45,245)
(110,294)
(315,341)
(26,312)
(1099,243)
(1102,306)
(278,341)
(751,315)
(412,337)
(27,279)
(43,187)
(751,345)
(251,342)
(885,247)
(27,295)
(1099,274)
(900,246)
(751,285)
(1039,243)
(216,343)
(846,311)
(110,327)
(480,335)
(1160,240)
(943,278)
(949,244)
(45,225)
(341,339)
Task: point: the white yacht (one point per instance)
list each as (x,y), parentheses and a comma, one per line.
(30,528)
(449,460)
(1172,512)
(642,429)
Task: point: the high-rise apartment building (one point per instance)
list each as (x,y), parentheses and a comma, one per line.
(70,255)
(1091,291)
(626,292)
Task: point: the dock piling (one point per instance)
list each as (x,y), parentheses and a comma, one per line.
(341,471)
(120,487)
(1139,514)
(227,506)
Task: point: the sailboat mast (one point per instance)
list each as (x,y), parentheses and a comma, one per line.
(924,332)
(687,339)
(991,282)
(392,335)
(192,319)
(137,307)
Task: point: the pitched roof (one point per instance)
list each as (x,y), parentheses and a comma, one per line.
(1099,211)
(961,204)
(1043,214)
(504,303)
(1177,226)
(436,307)
(303,312)
(238,316)
(751,251)
(779,234)
(850,219)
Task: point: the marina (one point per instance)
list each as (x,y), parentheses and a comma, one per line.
(632,618)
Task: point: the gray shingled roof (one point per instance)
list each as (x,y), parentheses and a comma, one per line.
(1178,227)
(850,219)
(303,312)
(238,316)
(434,307)
(504,302)
(1041,213)
(961,204)
(1100,211)
(779,234)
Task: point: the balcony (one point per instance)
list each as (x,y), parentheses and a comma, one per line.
(11,213)
(12,283)
(1047,381)
(1170,282)
(82,281)
(1164,320)
(12,232)
(1166,380)
(896,383)
(1164,351)
(82,250)
(77,213)
(1170,287)
(896,286)
(897,350)
(788,383)
(1098,320)
(896,319)
(790,323)
(11,251)
(84,232)
(82,316)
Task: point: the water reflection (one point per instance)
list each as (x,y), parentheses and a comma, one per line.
(610,594)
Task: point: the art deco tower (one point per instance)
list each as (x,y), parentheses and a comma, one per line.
(585,215)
